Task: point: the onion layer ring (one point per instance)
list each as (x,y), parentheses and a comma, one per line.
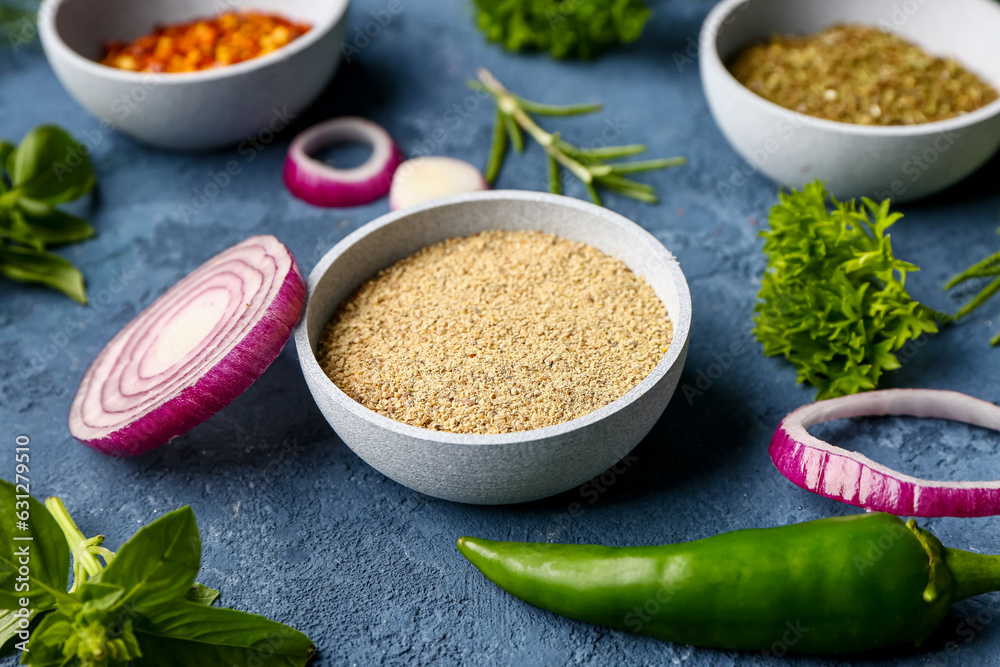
(322,185)
(855,479)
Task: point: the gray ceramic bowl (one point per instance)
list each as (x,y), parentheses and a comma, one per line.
(191,110)
(901,162)
(511,467)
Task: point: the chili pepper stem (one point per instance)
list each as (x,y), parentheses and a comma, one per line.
(974,574)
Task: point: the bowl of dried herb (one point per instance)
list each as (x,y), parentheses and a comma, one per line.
(879,98)
(495,347)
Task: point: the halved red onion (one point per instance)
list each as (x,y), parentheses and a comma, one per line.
(322,185)
(192,351)
(425,178)
(857,480)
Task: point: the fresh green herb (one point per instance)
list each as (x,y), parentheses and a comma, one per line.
(140,607)
(987,269)
(833,300)
(49,564)
(47,169)
(17,23)
(566,28)
(587,164)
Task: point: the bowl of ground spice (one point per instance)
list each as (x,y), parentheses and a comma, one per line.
(880,98)
(495,347)
(196,74)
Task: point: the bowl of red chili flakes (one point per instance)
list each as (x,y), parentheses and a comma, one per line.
(197,74)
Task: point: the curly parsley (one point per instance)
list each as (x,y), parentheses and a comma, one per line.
(833,300)
(566,28)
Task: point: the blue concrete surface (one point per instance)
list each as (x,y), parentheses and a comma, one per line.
(298,528)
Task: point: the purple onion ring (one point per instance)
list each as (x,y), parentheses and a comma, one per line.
(855,479)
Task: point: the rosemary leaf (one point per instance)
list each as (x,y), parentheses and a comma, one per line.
(557,109)
(498,150)
(514,131)
(593,193)
(987,267)
(555,186)
(979,299)
(646,165)
(621,184)
(607,152)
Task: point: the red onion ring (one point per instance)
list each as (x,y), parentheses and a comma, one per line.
(855,479)
(322,185)
(192,351)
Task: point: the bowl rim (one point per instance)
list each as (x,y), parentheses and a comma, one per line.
(709,34)
(51,38)
(681,323)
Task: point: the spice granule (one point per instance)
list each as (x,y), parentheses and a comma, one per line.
(859,74)
(494,333)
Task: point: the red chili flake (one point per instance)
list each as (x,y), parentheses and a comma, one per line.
(226,39)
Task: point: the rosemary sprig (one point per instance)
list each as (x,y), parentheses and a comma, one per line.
(587,164)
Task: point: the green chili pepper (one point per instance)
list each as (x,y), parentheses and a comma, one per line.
(839,585)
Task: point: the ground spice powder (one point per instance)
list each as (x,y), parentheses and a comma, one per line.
(859,74)
(495,333)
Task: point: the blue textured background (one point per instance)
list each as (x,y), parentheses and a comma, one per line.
(298,528)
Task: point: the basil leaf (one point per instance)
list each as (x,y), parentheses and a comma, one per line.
(10,625)
(48,554)
(159,563)
(182,634)
(45,647)
(50,225)
(98,630)
(99,596)
(33,266)
(52,657)
(20,231)
(18,25)
(50,166)
(202,594)
(6,148)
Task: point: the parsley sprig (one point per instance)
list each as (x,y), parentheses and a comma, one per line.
(565,28)
(514,115)
(139,607)
(833,300)
(48,168)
